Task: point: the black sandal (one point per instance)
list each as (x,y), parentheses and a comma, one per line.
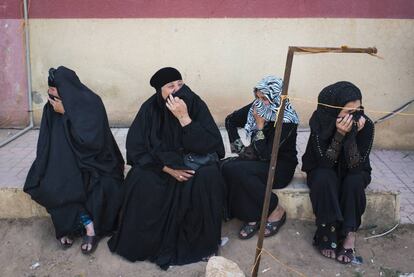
(326,239)
(249,230)
(65,245)
(349,253)
(89,240)
(274,227)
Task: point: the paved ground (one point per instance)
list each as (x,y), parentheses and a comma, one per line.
(392,170)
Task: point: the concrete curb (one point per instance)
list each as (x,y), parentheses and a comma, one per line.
(383,208)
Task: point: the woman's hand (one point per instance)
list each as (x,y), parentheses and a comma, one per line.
(181,175)
(179,109)
(344,124)
(57,105)
(260,121)
(361,123)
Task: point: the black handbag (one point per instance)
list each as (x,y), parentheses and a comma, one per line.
(195,161)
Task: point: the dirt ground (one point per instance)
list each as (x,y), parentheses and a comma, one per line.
(27,242)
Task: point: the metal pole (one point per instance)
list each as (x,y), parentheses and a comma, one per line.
(29,79)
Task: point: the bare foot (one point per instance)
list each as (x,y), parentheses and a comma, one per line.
(329,253)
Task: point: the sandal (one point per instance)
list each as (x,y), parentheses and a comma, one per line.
(273,227)
(326,239)
(89,240)
(249,230)
(66,244)
(349,253)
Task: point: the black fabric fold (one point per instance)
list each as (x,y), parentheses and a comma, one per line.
(163,220)
(78,165)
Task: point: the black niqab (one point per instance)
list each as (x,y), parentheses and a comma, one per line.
(323,120)
(78,166)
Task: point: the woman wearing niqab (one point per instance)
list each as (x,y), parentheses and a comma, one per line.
(172,213)
(338,169)
(78,172)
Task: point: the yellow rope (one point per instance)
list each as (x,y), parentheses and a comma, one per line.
(277,260)
(339,107)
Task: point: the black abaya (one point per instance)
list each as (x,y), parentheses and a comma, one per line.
(163,220)
(78,167)
(338,167)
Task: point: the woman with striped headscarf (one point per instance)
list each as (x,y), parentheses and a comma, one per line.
(246,175)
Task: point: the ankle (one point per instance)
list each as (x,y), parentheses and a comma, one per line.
(90,231)
(350,240)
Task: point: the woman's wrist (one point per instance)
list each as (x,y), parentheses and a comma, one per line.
(184,120)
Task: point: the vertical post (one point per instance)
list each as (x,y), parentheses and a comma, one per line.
(28,65)
(273,160)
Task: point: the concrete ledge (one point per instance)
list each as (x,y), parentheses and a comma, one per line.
(383,208)
(15,203)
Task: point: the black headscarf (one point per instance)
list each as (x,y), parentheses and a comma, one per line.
(164,76)
(323,120)
(71,144)
(155,138)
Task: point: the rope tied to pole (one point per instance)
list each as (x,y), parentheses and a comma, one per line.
(277,260)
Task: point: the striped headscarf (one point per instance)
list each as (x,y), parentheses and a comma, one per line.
(271,87)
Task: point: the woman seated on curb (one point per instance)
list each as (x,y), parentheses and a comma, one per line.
(338,170)
(172,211)
(246,175)
(78,172)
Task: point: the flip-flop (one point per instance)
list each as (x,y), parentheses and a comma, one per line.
(274,226)
(249,230)
(92,240)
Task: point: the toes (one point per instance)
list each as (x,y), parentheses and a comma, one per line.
(328,253)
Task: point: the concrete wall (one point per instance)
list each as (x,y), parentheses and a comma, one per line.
(13,82)
(222,59)
(223,48)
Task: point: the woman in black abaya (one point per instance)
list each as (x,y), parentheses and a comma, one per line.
(246,176)
(78,171)
(338,169)
(171,213)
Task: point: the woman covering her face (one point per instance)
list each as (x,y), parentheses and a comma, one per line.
(246,176)
(338,169)
(172,211)
(78,172)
